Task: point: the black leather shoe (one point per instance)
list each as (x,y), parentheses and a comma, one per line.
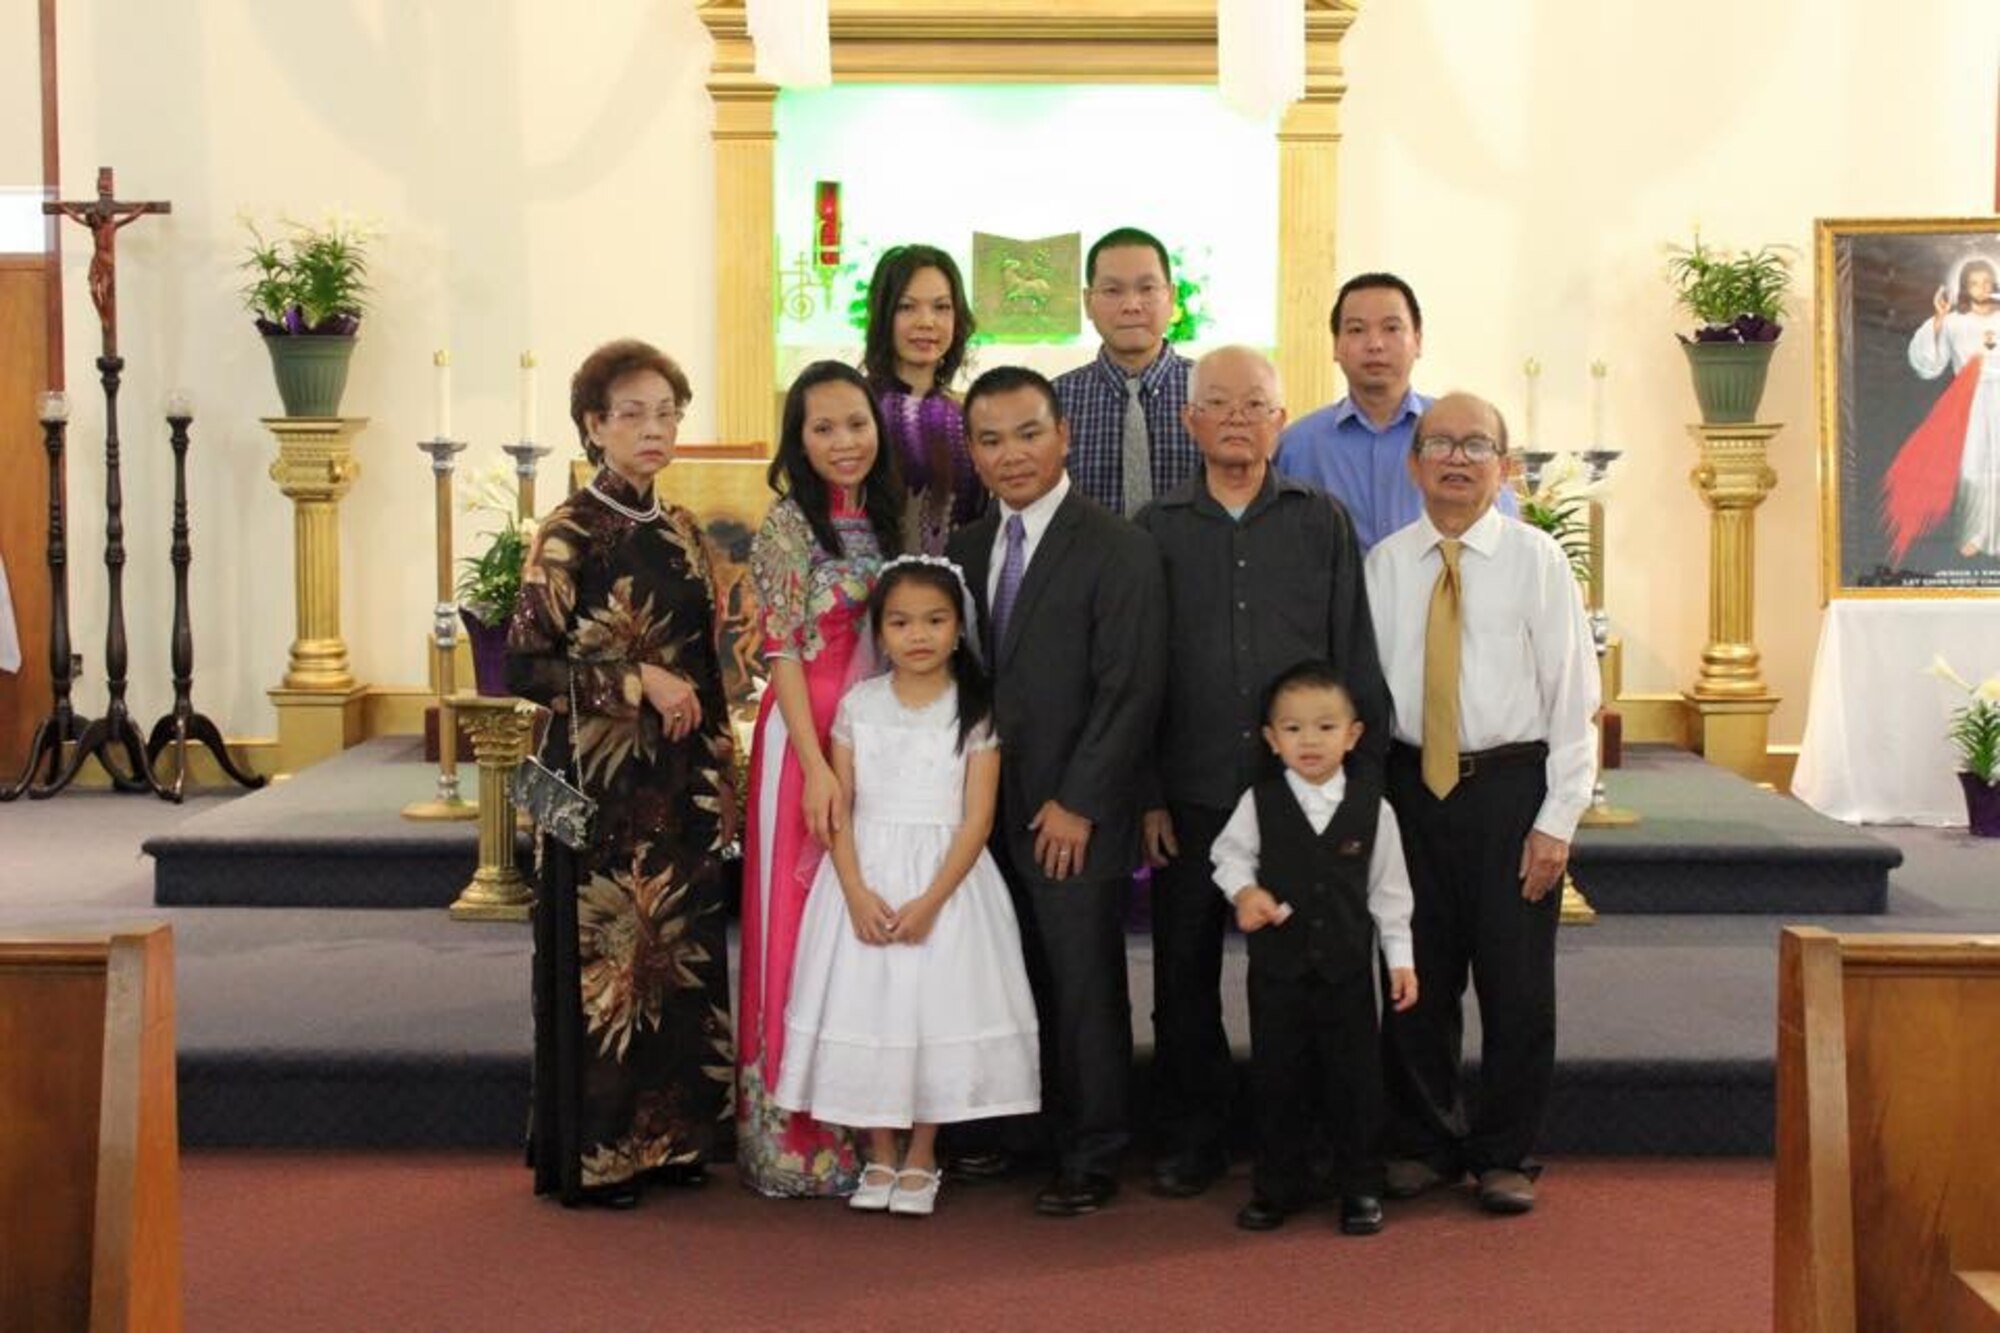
(1262,1214)
(994,1165)
(685,1175)
(1074,1196)
(1188,1174)
(1360,1214)
(619,1198)
(1506,1192)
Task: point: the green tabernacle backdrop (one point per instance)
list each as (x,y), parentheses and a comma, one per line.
(1021,177)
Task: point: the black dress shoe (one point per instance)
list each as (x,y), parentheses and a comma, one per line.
(993,1165)
(1360,1214)
(1188,1174)
(1074,1196)
(683,1175)
(619,1198)
(1262,1214)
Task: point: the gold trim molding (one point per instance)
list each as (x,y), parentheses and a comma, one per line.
(1011,41)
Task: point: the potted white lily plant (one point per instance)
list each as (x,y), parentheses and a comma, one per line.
(489,583)
(1975,731)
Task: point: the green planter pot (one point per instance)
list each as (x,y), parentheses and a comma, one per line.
(1729,379)
(311,370)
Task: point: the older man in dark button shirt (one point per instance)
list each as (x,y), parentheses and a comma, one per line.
(1262,572)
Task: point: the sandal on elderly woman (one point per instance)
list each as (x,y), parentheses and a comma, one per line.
(878,1183)
(916,1192)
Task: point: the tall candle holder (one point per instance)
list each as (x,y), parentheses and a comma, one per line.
(62,726)
(1596,466)
(527,456)
(115,730)
(448,803)
(183,724)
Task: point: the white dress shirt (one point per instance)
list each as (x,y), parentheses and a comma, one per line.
(1034,522)
(1237,848)
(1527,663)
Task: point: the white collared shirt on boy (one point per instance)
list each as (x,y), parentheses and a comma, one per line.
(1238,847)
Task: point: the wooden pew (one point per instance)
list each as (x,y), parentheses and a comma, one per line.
(1888,1106)
(89,1138)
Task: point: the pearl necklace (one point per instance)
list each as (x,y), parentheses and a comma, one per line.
(636,515)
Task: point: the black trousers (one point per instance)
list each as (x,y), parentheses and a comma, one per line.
(1193,1072)
(1314,1045)
(1464,854)
(1073,935)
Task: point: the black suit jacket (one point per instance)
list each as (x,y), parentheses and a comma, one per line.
(1077,683)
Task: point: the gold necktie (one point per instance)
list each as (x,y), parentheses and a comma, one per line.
(1441,677)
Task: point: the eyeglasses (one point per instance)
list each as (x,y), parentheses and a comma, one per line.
(1475,448)
(1251,409)
(1147,291)
(635,414)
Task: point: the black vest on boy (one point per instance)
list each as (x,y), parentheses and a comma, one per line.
(1324,876)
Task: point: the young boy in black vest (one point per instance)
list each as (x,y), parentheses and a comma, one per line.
(1314,865)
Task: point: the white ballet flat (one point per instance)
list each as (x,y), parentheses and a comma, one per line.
(876,1190)
(918,1202)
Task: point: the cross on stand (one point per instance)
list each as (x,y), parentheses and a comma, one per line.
(104,216)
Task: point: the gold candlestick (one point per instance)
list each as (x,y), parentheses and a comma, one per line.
(526,456)
(501,729)
(1576,909)
(448,804)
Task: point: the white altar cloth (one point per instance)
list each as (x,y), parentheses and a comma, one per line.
(1875,750)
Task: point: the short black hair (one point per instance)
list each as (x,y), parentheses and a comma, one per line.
(1118,238)
(1006,379)
(1362,282)
(1312,674)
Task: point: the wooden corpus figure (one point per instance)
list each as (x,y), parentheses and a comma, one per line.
(104,215)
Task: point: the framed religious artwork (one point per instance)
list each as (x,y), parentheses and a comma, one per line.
(729,498)
(1909,392)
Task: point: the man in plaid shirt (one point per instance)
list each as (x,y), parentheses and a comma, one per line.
(1119,460)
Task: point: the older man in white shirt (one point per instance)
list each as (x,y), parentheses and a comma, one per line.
(1488,656)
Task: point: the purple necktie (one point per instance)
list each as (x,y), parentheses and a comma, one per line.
(1012,567)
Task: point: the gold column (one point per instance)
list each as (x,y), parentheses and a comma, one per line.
(318,701)
(1729,695)
(746,139)
(1308,186)
(500,730)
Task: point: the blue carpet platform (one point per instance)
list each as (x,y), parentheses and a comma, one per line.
(333,837)
(394,1026)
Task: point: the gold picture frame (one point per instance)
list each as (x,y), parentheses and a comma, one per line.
(1886,425)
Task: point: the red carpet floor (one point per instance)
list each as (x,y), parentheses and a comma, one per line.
(386,1243)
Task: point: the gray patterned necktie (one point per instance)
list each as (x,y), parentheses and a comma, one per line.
(1137,451)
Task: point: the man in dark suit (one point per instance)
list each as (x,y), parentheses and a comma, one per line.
(1073,620)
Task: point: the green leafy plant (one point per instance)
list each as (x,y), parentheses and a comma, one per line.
(1975,727)
(1190,312)
(489,583)
(1560,506)
(309,281)
(1737,297)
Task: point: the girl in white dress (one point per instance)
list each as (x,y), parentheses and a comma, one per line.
(910,1004)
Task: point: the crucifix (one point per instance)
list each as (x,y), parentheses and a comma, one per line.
(105,216)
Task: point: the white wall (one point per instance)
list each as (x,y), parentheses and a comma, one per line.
(1523,164)
(542,176)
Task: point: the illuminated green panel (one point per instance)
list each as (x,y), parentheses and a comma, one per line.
(936,163)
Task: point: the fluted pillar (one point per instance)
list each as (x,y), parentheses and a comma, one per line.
(319,700)
(1729,693)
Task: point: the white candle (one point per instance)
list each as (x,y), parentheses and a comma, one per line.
(442,387)
(1598,370)
(527,397)
(1533,370)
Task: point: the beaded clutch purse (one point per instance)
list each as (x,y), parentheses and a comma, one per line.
(558,807)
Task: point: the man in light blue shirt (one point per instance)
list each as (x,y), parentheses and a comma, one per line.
(1358,449)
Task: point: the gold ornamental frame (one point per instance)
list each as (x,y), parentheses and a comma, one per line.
(1832,327)
(1012,41)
